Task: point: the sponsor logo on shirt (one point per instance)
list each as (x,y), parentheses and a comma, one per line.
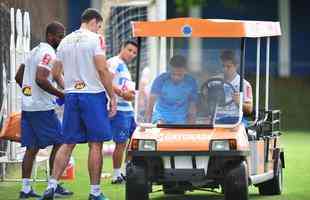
(79,85)
(46,59)
(26,90)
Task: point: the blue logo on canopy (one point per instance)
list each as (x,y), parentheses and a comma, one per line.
(187,30)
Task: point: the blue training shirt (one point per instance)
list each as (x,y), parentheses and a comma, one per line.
(173,98)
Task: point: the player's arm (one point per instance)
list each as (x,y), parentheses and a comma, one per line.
(104,74)
(57,73)
(44,69)
(191,117)
(43,82)
(20,74)
(106,80)
(248,107)
(248,99)
(149,108)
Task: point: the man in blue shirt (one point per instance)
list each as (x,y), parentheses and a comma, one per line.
(173,95)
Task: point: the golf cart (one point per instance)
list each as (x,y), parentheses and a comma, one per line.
(228,151)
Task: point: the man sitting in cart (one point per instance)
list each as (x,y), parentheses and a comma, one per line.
(173,95)
(231,76)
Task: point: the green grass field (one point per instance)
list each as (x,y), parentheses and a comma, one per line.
(296,179)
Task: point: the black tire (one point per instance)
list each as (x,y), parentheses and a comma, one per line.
(171,188)
(137,186)
(236,183)
(275,185)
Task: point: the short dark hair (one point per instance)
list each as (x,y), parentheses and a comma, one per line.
(178,61)
(228,55)
(54,28)
(132,42)
(89,14)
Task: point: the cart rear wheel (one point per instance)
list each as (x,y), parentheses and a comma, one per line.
(275,185)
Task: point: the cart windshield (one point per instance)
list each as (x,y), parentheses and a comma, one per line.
(194,82)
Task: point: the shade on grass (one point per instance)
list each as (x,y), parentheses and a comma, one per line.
(296,176)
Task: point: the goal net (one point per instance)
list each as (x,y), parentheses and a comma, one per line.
(118,29)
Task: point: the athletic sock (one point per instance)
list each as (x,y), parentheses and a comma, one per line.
(95,190)
(52,183)
(26,188)
(116,173)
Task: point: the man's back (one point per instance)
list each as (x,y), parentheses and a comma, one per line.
(76,52)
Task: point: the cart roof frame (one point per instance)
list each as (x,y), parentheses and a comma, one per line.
(206,28)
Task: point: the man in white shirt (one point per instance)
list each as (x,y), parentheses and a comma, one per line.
(87,82)
(231,76)
(39,125)
(123,123)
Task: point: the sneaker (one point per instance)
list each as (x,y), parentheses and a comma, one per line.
(48,195)
(118,180)
(31,194)
(62,192)
(100,197)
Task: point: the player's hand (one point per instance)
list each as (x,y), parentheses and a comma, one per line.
(236,97)
(128,95)
(112,107)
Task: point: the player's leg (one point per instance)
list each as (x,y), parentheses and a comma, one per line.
(60,191)
(97,123)
(123,126)
(29,141)
(72,128)
(118,155)
(95,166)
(52,158)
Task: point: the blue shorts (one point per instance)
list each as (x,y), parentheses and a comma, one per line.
(123,125)
(232,120)
(86,118)
(40,129)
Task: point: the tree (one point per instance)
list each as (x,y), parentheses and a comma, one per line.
(183,6)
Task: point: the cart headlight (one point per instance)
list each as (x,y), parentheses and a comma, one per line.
(147,145)
(223,145)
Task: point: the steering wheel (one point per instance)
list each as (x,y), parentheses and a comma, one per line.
(217,84)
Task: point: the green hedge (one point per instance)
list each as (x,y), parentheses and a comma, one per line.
(292,97)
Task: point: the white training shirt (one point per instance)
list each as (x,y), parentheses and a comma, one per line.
(33,97)
(76,52)
(233,109)
(121,78)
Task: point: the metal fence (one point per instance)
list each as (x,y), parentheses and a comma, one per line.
(4,60)
(4,55)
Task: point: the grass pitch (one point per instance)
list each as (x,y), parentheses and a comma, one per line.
(296,177)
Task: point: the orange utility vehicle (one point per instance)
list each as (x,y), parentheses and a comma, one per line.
(197,135)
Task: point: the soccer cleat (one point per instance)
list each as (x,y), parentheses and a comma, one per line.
(118,180)
(31,194)
(62,192)
(100,197)
(48,195)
